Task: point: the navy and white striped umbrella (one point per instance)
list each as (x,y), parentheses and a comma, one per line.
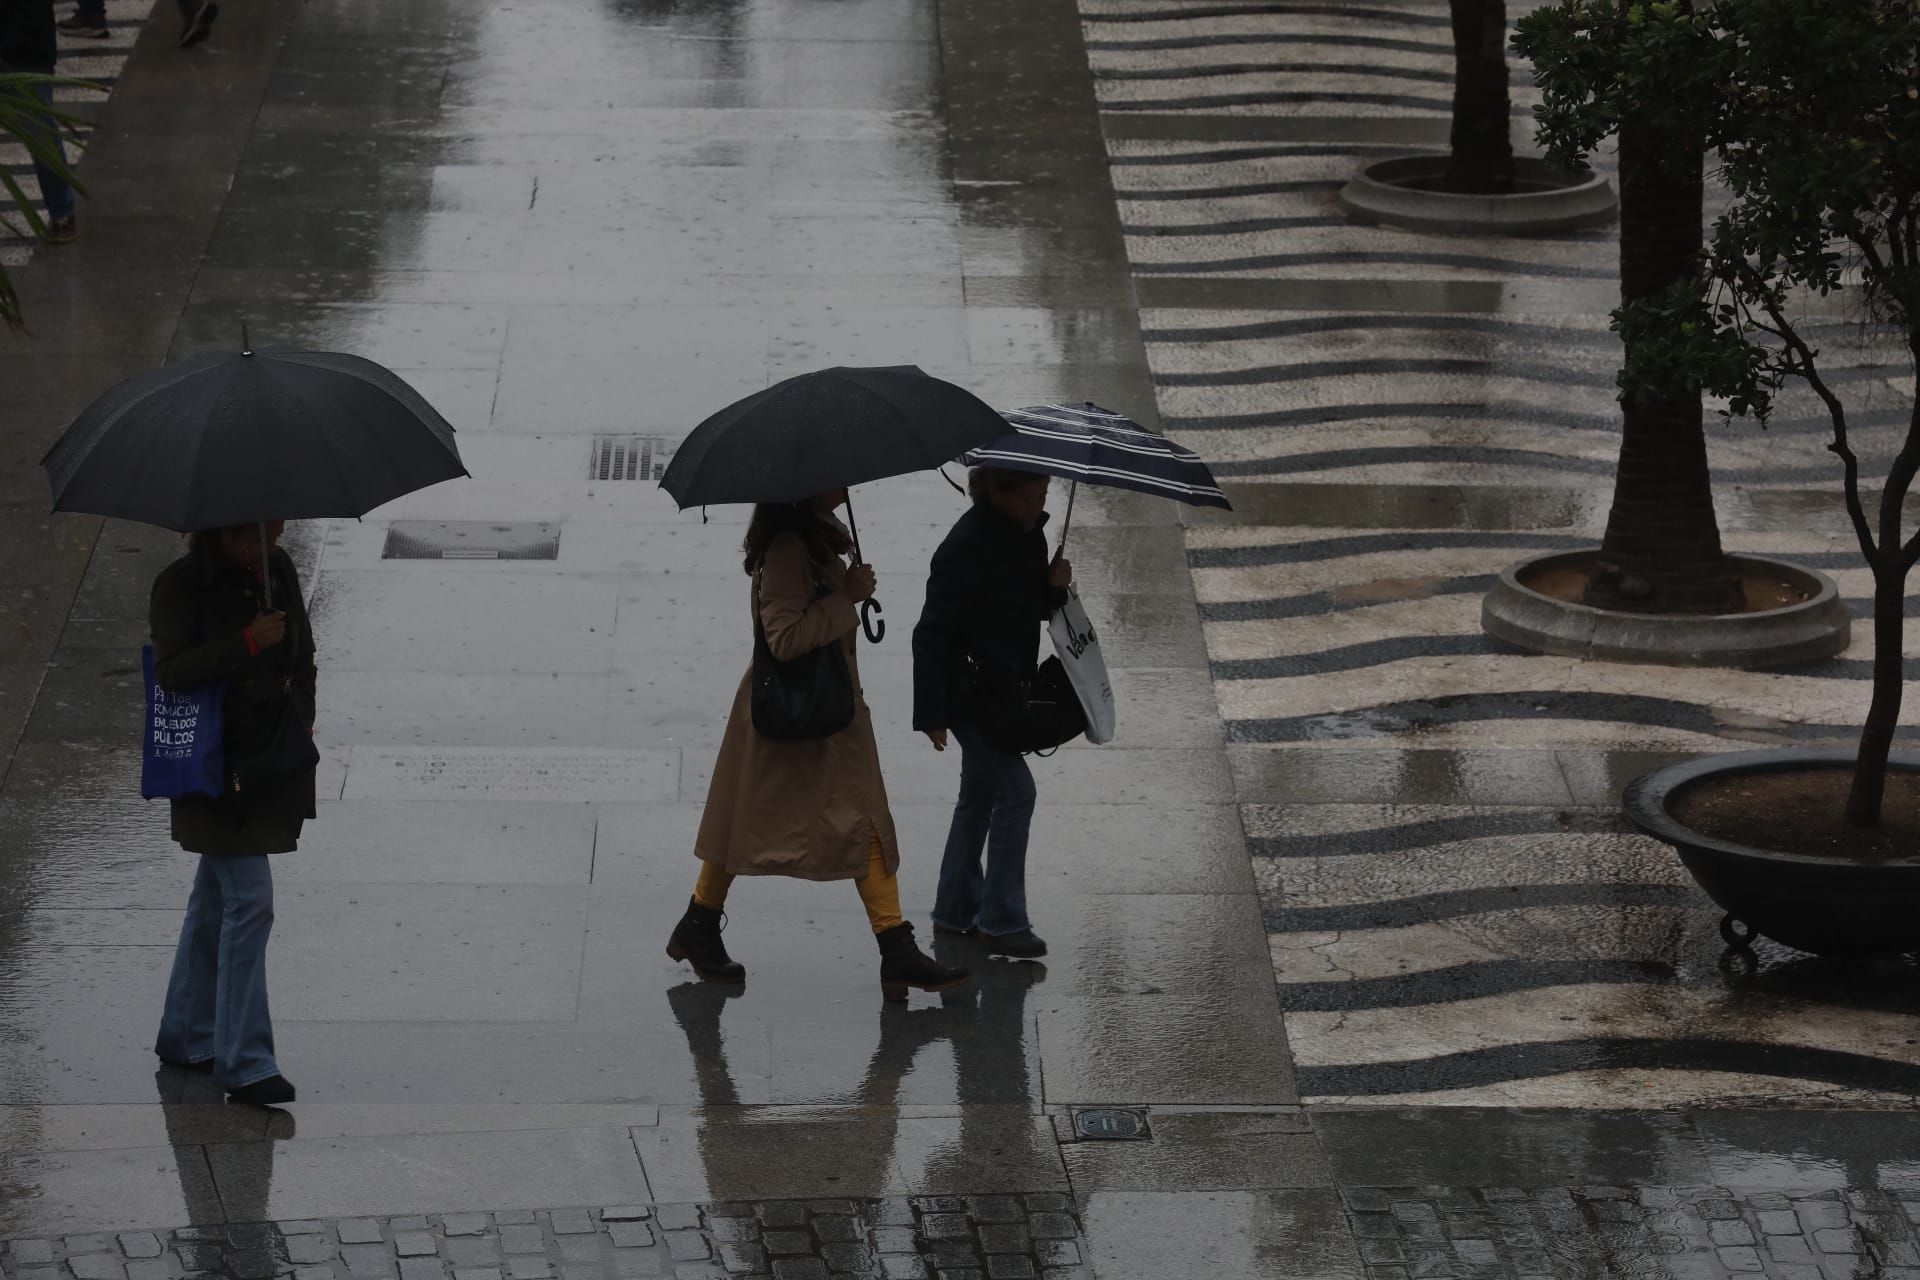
(1086,442)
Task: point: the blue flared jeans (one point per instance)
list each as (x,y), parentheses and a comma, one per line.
(217,998)
(993,814)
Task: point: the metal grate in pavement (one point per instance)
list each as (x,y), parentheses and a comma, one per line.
(628,457)
(471,540)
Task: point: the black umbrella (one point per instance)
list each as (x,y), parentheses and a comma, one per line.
(247,437)
(828,430)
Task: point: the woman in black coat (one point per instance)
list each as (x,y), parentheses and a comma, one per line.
(211,621)
(990,590)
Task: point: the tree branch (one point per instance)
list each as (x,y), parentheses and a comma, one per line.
(1840,445)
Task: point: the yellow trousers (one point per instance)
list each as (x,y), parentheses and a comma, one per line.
(879,892)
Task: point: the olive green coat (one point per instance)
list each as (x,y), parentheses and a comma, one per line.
(805,809)
(199,609)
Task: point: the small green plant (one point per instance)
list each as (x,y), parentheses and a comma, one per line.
(25,119)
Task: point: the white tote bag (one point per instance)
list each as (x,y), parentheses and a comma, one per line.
(1079,650)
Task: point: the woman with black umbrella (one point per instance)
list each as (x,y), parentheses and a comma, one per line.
(231,610)
(810,807)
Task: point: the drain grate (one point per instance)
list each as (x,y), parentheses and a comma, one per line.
(471,540)
(629,458)
(1111,1124)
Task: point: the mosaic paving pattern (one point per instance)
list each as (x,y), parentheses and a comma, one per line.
(1658,1233)
(1455,955)
(1035,1237)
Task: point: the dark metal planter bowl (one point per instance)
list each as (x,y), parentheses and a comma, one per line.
(1831,906)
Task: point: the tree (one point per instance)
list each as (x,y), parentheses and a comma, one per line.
(28,121)
(1625,69)
(1482,146)
(1815,121)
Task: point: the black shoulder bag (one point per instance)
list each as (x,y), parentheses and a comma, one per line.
(1033,716)
(803,700)
(288,750)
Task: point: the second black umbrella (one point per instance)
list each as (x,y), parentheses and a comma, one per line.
(828,430)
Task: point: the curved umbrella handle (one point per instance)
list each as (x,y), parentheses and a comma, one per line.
(875,628)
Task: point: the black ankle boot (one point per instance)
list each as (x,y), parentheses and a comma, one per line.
(903,965)
(696,939)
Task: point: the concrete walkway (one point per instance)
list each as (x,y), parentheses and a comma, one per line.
(578,226)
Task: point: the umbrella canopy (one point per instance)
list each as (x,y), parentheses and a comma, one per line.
(1085,442)
(827,430)
(237,438)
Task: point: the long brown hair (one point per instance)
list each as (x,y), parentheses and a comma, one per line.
(771,519)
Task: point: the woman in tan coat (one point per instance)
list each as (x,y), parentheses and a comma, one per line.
(816,810)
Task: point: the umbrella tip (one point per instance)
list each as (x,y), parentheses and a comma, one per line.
(246,343)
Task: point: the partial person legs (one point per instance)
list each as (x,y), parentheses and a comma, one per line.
(61,226)
(993,815)
(187,1022)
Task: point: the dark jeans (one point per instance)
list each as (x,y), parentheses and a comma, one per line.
(57,194)
(993,814)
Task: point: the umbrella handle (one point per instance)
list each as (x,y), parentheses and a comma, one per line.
(1066,521)
(875,628)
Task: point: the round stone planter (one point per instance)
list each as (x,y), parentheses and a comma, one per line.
(1405,192)
(1817,627)
(1831,906)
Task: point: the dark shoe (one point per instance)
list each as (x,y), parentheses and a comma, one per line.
(204,1066)
(1024,945)
(199,25)
(696,939)
(63,230)
(947,930)
(903,965)
(84,27)
(264,1093)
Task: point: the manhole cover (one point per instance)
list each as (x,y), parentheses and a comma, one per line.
(628,458)
(1111,1124)
(471,540)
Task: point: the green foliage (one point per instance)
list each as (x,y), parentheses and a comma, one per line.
(25,119)
(1598,62)
(1811,113)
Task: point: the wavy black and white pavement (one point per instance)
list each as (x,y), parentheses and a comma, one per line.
(96,60)
(1399,416)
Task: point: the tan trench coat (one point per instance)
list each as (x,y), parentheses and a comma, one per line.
(805,809)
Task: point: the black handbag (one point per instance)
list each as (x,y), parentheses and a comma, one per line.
(803,700)
(1033,716)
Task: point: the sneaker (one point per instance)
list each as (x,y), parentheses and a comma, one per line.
(199,26)
(1024,945)
(84,27)
(63,230)
(264,1093)
(204,1066)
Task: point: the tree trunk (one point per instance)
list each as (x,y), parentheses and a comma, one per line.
(1482,161)
(1889,684)
(1662,550)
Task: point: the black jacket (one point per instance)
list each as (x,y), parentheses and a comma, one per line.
(201,605)
(987,595)
(27,38)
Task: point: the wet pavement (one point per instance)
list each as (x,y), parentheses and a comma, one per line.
(577,227)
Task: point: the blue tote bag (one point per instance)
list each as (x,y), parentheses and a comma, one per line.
(182,755)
